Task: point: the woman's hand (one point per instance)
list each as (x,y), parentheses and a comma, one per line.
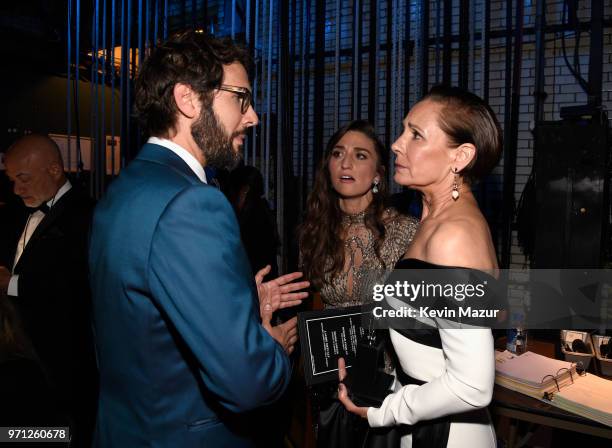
(280,292)
(343,393)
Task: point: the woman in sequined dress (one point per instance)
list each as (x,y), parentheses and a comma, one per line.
(348,239)
(349,232)
(446,373)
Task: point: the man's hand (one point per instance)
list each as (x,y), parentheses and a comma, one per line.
(279,293)
(343,393)
(285,334)
(5,278)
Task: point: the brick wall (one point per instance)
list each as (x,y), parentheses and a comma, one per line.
(560,85)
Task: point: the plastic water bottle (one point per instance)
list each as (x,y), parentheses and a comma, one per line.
(516,335)
(511,334)
(521,341)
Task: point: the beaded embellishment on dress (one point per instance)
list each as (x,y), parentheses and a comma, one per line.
(362,268)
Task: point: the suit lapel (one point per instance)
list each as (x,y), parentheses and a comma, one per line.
(46,223)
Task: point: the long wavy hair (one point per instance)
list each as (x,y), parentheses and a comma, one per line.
(320,234)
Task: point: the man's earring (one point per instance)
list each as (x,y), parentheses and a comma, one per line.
(455,193)
(375,186)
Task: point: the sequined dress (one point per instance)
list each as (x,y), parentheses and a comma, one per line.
(336,427)
(362,268)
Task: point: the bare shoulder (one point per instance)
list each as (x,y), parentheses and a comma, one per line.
(464,241)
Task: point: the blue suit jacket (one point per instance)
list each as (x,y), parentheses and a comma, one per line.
(179,341)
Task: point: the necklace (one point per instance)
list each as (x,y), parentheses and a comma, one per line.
(353,218)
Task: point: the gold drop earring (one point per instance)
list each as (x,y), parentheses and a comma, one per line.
(455,192)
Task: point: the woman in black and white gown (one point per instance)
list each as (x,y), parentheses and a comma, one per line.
(451,138)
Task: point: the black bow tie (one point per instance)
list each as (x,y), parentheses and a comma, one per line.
(41,208)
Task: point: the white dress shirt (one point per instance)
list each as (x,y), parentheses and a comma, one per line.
(33,221)
(189,159)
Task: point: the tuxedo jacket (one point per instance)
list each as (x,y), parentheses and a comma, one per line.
(180,345)
(54,300)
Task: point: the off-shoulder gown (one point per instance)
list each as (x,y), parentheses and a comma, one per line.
(446,384)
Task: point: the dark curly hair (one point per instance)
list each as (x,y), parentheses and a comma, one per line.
(190,58)
(320,233)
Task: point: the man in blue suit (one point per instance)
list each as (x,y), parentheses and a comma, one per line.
(180,343)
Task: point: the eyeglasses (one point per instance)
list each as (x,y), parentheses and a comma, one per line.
(246,97)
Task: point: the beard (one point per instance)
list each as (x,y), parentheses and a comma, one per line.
(214,143)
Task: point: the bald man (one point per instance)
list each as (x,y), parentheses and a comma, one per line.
(47,279)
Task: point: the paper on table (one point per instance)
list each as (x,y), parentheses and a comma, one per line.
(530,368)
(589,396)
